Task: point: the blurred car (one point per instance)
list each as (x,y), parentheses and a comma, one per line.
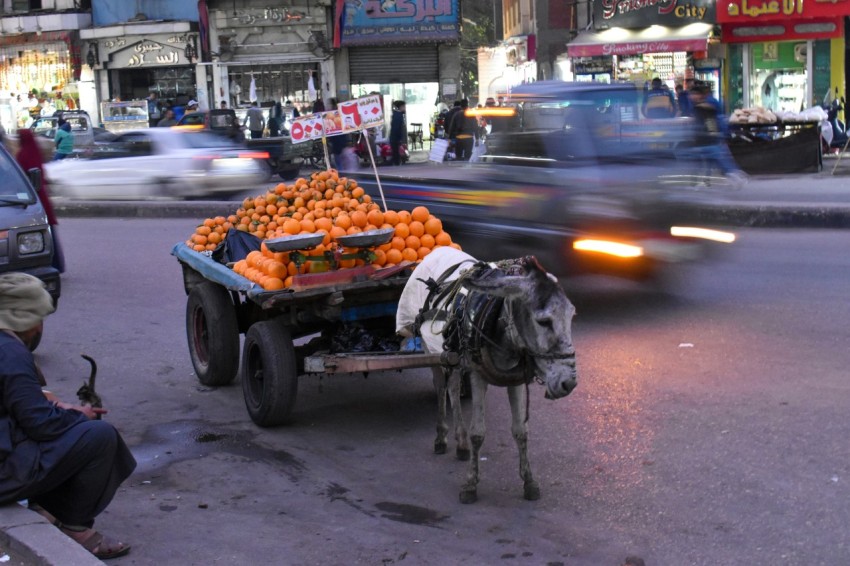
(572,175)
(81,127)
(158,163)
(26,241)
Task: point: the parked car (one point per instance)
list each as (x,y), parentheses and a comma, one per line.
(158,163)
(285,158)
(26,242)
(571,175)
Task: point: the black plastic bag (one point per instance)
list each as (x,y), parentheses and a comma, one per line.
(236,245)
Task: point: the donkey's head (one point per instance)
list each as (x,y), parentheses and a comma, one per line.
(539,319)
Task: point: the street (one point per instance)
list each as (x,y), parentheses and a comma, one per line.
(708,426)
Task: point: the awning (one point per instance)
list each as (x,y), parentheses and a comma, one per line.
(654,39)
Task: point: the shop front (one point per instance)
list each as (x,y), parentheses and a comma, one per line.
(38,75)
(132,66)
(784,56)
(406,52)
(638,41)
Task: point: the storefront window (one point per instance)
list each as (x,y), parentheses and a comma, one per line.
(274,83)
(170,83)
(420,100)
(778,78)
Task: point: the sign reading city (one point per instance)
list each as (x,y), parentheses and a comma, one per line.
(352,116)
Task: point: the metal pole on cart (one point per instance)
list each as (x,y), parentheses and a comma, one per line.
(365,134)
(325,148)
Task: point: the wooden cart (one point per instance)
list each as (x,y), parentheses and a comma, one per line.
(222,305)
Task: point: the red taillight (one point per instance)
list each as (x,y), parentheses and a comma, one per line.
(254,155)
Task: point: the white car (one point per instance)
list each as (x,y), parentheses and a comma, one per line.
(158,163)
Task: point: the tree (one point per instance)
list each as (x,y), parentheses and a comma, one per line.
(478,30)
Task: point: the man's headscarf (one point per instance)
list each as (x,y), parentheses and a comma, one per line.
(24,302)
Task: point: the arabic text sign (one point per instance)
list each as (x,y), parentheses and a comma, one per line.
(361,113)
(352,116)
(377,22)
(764,10)
(306,128)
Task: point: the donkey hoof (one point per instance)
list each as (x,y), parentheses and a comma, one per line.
(468,496)
(531,491)
(440,447)
(462,454)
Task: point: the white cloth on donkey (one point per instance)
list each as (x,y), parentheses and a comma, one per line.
(415,293)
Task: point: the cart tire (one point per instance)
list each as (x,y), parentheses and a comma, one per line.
(269,373)
(213,334)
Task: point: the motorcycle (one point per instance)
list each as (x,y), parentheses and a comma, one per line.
(383,152)
(839,130)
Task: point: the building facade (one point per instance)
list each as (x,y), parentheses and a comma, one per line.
(40,63)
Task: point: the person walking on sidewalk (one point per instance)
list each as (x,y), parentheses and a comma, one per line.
(712,133)
(58,456)
(462,130)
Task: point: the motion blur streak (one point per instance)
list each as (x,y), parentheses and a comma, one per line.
(702,233)
(606,247)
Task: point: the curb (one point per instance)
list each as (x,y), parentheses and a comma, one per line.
(29,535)
(743,215)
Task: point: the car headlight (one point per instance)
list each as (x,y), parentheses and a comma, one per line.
(30,243)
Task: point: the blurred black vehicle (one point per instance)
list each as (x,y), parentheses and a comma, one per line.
(571,174)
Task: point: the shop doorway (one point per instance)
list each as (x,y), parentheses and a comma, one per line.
(779,77)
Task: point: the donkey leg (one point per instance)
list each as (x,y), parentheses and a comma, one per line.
(469,491)
(441,375)
(519,428)
(461,435)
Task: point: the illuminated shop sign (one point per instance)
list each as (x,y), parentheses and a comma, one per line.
(376,22)
(645,13)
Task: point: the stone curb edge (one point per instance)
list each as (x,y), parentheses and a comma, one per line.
(29,535)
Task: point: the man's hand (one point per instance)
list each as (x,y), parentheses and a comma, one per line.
(92,413)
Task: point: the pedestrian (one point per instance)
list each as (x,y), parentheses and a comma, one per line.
(192,106)
(168,119)
(255,121)
(275,121)
(683,101)
(398,130)
(223,105)
(154,110)
(58,456)
(462,129)
(29,157)
(318,106)
(712,133)
(64,140)
(290,110)
(658,102)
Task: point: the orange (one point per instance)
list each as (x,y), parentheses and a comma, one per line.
(343,221)
(324,224)
(354,230)
(308,226)
(357,192)
(443,239)
(273,284)
(288,281)
(433,226)
(271,209)
(259,201)
(214,238)
(276,269)
(260,209)
(423,251)
(375,217)
(199,239)
(427,241)
(402,230)
(271,198)
(394,256)
(455,246)
(359,219)
(292,226)
(203,230)
(404,216)
(409,254)
(398,243)
(337,231)
(412,242)
(366,198)
(420,213)
(416,228)
(292,268)
(380,258)
(391,217)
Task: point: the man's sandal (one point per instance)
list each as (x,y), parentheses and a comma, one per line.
(101,546)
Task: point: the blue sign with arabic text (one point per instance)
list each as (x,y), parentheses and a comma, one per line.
(378,22)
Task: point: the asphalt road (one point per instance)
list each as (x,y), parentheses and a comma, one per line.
(709,426)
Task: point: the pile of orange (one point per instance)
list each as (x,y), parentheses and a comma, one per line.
(327,203)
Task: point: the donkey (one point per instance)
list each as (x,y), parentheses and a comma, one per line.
(511,323)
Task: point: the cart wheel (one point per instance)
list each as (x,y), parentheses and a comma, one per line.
(213,334)
(269,375)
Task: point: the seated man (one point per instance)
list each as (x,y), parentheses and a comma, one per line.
(56,455)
